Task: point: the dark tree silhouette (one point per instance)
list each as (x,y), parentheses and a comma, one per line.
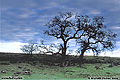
(89,33)
(94,36)
(30,47)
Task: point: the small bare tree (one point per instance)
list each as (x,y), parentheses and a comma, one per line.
(30,47)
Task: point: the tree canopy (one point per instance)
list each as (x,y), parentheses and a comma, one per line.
(89,33)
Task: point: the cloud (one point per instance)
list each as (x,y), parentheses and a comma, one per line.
(115,53)
(115,27)
(11,47)
(94,12)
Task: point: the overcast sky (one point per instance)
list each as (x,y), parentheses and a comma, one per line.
(24,20)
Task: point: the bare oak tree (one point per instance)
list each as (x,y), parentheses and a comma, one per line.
(89,33)
(95,37)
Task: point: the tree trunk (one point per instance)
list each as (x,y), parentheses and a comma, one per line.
(81,57)
(64,55)
(63,60)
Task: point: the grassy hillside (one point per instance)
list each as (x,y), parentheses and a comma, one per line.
(41,66)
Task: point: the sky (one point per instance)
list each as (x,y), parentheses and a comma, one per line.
(24,20)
